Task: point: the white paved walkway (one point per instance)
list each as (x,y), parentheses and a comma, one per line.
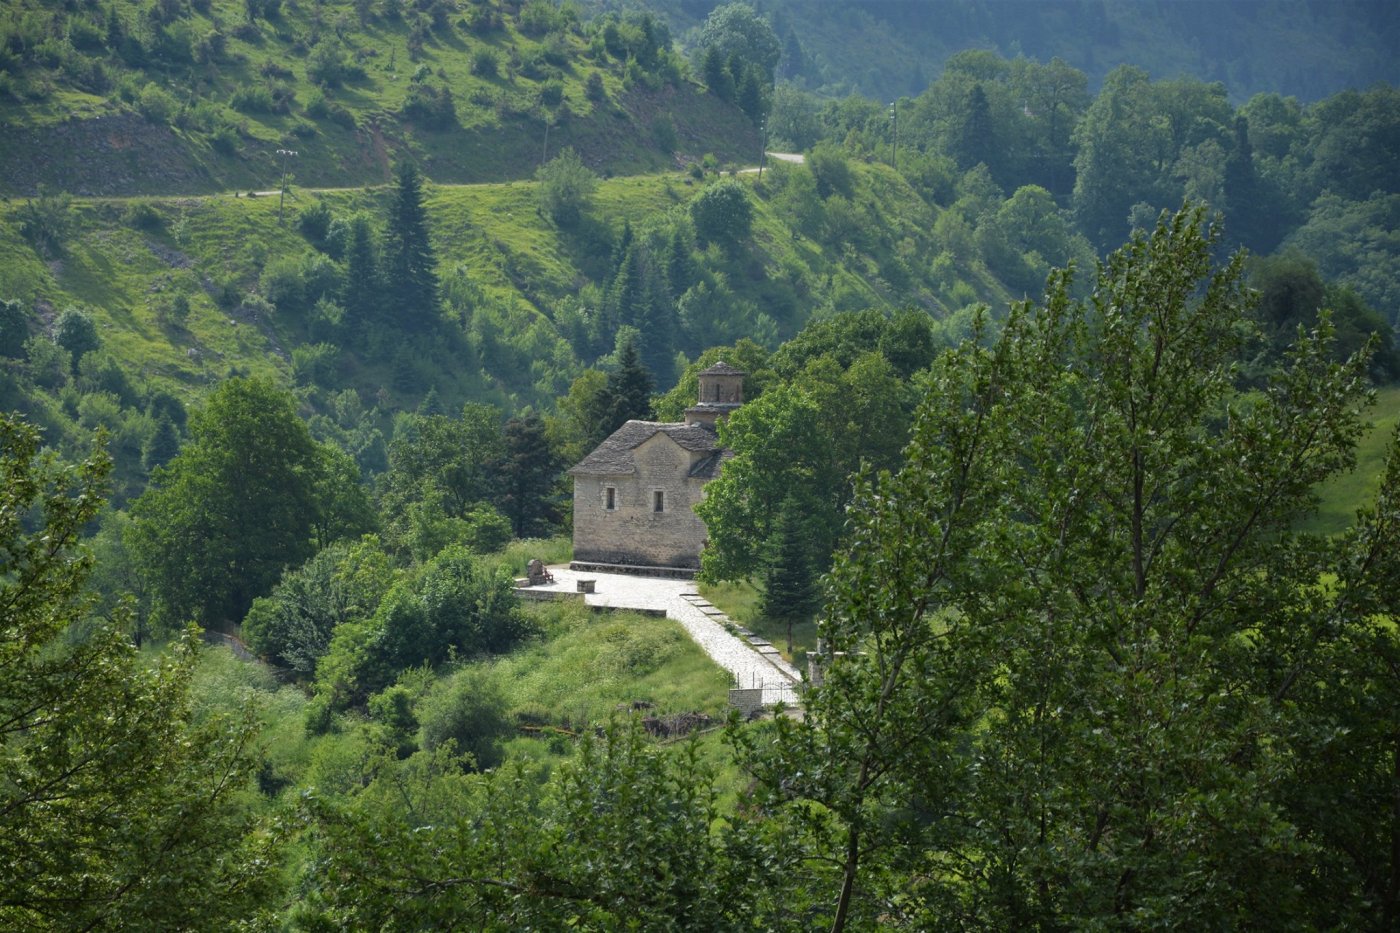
(752,662)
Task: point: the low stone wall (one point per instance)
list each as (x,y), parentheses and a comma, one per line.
(747,700)
(527,592)
(636,570)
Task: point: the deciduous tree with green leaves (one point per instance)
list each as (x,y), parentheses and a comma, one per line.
(566,185)
(1090,674)
(449,464)
(806,437)
(116,805)
(249,495)
(736,32)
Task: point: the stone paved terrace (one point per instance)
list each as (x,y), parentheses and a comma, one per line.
(753,665)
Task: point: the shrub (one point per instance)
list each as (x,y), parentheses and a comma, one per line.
(556,51)
(538,17)
(48,363)
(482,19)
(293,625)
(487,530)
(663,131)
(593,88)
(325,320)
(566,185)
(14,328)
(47,221)
(433,107)
(315,364)
(318,107)
(328,66)
(174,310)
(224,139)
(143,216)
(75,332)
(830,169)
(275,97)
(314,222)
(722,213)
(98,372)
(256,308)
(470,711)
(485,64)
(454,606)
(551,93)
(281,283)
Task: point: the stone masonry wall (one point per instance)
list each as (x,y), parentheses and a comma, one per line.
(632,533)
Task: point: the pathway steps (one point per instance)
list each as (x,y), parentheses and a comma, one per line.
(752,661)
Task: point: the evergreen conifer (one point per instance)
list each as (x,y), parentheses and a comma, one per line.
(410,265)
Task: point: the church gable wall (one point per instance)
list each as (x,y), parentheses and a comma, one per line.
(632,531)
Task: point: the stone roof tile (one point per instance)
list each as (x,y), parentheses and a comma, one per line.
(614,456)
(724,369)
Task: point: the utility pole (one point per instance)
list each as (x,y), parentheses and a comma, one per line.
(763,146)
(894,139)
(282,194)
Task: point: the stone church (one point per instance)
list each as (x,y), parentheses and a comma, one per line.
(635,495)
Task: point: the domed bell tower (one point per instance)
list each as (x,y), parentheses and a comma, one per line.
(721,391)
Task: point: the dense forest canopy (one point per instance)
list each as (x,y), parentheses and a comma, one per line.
(306,306)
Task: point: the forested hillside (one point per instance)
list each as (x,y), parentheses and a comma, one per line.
(186,97)
(305,307)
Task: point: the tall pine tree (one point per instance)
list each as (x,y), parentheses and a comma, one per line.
(640,297)
(528,470)
(410,266)
(362,282)
(790,592)
(628,391)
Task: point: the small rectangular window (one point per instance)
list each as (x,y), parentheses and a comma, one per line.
(609,498)
(658,500)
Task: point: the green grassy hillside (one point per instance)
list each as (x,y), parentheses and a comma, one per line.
(1356,489)
(126,98)
(513,281)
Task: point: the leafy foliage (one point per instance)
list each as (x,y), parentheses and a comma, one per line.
(440,469)
(75,332)
(1081,648)
(454,606)
(620,811)
(410,268)
(117,801)
(292,626)
(566,185)
(248,495)
(801,440)
(722,214)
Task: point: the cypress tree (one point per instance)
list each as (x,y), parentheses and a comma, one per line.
(431,404)
(1242,195)
(410,266)
(162,446)
(628,391)
(790,591)
(680,264)
(362,283)
(715,71)
(529,470)
(750,93)
(976,141)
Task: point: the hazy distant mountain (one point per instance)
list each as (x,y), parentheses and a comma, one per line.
(884,48)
